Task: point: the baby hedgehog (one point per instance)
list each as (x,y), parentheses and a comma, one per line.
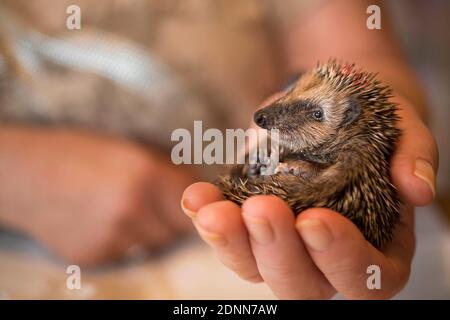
(337,132)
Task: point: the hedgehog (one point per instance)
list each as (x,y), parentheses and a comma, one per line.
(337,132)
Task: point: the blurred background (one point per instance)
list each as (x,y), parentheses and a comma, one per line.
(217,59)
(424,31)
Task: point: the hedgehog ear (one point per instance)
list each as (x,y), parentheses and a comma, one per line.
(352,111)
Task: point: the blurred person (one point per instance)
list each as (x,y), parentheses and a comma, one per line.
(87,116)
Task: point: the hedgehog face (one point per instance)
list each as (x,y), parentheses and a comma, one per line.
(309,116)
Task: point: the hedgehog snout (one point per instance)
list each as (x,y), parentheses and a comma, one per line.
(261,119)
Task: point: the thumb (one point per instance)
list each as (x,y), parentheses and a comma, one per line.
(415,162)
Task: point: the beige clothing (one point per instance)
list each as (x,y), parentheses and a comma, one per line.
(143,68)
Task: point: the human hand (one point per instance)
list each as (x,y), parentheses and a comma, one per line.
(88,198)
(319,252)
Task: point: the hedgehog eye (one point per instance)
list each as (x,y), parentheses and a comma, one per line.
(317,115)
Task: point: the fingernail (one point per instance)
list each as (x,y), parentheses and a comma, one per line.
(213,238)
(315,234)
(260,230)
(190,213)
(425,171)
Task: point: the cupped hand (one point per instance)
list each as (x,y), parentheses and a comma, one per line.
(319,252)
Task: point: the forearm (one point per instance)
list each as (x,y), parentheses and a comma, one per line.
(34,168)
(14,142)
(338,29)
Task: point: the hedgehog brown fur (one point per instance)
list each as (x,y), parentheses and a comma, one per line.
(337,132)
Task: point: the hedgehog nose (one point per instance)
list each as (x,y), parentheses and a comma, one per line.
(260,119)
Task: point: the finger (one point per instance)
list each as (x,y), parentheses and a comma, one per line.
(415,162)
(220,224)
(343,255)
(281,256)
(198,195)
